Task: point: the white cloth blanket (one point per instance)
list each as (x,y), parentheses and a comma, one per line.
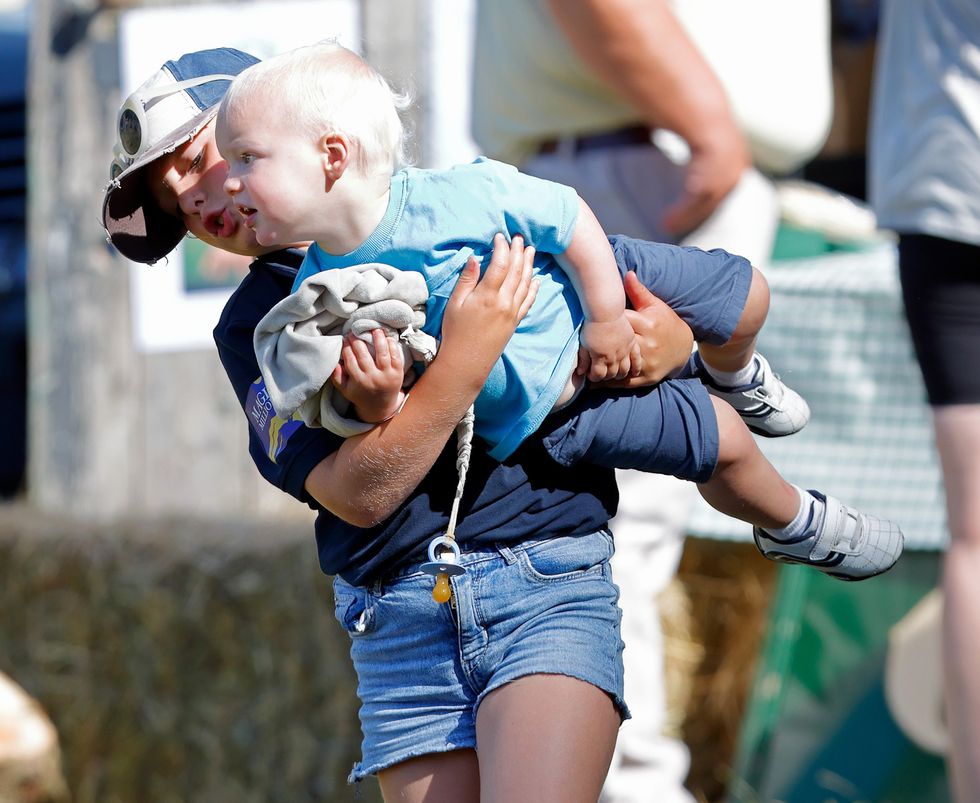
(299,340)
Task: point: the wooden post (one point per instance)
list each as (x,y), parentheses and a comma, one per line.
(114,431)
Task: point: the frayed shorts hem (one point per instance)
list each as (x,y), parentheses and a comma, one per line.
(361,771)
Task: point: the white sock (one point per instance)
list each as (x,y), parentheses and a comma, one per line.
(733,379)
(804,518)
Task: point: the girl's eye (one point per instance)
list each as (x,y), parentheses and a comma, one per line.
(247,158)
(197,160)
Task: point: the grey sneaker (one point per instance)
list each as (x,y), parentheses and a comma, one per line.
(766,405)
(843,542)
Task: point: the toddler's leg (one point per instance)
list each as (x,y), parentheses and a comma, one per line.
(735,354)
(668,428)
(745,485)
(790,524)
(736,373)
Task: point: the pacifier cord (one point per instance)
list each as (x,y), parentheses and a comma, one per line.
(443,549)
(464,448)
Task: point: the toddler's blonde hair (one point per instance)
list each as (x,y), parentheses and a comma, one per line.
(327,88)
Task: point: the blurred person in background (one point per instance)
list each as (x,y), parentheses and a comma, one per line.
(924,183)
(655,112)
(13,247)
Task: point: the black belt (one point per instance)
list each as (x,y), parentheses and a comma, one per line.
(631,135)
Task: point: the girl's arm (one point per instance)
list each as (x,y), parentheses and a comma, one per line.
(371,475)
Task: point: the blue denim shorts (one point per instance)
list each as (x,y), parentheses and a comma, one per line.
(544,606)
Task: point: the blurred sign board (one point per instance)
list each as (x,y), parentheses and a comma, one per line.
(177,303)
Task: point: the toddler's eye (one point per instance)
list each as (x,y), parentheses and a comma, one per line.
(197,160)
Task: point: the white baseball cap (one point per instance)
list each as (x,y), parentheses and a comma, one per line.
(166,111)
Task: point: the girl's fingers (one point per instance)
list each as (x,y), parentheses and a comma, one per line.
(467,281)
(532,293)
(511,256)
(506,257)
(524,271)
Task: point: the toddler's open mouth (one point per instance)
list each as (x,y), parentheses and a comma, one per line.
(248,215)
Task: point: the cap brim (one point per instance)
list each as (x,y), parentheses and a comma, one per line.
(136,225)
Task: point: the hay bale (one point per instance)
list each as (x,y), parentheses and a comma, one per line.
(181,659)
(30,761)
(715,614)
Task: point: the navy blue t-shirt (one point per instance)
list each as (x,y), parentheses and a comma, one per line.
(527,496)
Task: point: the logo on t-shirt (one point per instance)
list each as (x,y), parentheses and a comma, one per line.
(273,431)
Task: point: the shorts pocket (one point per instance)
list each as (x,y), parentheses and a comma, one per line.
(353,607)
(567,557)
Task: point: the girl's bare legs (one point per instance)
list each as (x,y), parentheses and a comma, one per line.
(958,442)
(738,351)
(434,778)
(745,484)
(545,739)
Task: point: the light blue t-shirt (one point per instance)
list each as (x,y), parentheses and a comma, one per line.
(435,220)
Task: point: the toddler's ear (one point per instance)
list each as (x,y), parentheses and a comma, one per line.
(336,153)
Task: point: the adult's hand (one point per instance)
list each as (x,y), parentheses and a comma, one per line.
(642,52)
(665,340)
(718,160)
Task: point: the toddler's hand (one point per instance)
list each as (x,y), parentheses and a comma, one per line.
(609,350)
(665,340)
(372,383)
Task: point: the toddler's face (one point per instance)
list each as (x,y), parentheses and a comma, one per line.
(275,174)
(189,184)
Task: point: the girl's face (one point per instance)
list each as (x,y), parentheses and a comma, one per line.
(189,184)
(275,173)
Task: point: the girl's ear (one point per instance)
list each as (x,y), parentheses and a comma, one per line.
(335,154)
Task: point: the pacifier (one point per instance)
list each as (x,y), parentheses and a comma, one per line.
(443,564)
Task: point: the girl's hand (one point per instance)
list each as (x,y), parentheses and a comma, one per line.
(482,314)
(371,382)
(664,339)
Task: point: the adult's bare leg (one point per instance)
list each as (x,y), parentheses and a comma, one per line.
(545,739)
(958,441)
(433,778)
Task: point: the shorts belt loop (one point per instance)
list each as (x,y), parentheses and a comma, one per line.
(508,555)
